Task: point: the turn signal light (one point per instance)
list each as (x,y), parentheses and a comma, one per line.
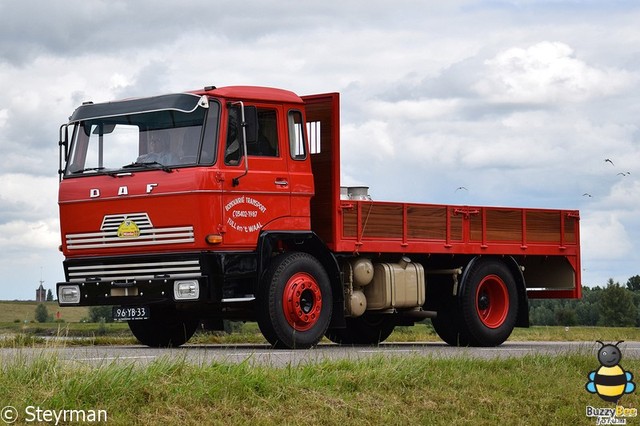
(213,238)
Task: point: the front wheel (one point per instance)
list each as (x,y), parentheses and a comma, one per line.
(489,303)
(166,328)
(295,302)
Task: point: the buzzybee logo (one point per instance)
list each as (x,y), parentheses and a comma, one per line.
(610,382)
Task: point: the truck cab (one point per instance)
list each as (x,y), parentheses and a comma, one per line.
(163,198)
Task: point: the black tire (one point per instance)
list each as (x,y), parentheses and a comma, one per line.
(368,329)
(295,302)
(489,303)
(448,329)
(164,329)
(448,326)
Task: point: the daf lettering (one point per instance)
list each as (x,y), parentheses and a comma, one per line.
(122,190)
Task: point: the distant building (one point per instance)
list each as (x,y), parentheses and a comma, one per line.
(41,293)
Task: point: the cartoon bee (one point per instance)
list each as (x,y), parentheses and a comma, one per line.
(610,381)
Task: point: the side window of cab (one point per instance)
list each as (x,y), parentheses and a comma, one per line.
(297,141)
(266,144)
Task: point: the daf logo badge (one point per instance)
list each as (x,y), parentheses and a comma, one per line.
(128,229)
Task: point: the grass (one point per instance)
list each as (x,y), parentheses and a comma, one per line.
(18,334)
(21,311)
(532,390)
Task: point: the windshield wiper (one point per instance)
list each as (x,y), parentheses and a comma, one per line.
(149,163)
(95,169)
(88,169)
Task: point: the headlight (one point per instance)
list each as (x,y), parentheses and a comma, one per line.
(186,290)
(69,294)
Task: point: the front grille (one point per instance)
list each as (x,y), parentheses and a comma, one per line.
(135,271)
(148,234)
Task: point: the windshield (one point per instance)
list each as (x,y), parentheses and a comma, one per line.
(158,139)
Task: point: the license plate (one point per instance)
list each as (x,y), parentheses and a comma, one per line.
(130,313)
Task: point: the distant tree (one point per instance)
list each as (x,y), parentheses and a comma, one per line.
(633,283)
(587,313)
(616,306)
(541,315)
(566,316)
(100,314)
(49,296)
(42,314)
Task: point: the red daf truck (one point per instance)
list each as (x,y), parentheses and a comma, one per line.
(187,209)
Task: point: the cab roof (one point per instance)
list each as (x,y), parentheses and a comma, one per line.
(253,93)
(185,102)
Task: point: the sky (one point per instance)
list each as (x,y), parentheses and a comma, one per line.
(521,101)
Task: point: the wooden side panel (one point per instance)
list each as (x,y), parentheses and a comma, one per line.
(501,225)
(570,228)
(381,220)
(427,222)
(350,223)
(430,223)
(543,226)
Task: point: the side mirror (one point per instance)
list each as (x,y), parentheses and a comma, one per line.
(63,149)
(251,123)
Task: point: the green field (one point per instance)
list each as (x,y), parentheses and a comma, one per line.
(533,390)
(25,311)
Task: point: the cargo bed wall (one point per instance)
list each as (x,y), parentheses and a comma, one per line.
(364,221)
(323,124)
(545,241)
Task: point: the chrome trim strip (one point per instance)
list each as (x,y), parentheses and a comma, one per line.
(135,271)
(239,299)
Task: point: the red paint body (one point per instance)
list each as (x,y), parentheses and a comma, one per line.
(222,207)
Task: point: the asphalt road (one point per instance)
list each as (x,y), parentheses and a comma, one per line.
(264,355)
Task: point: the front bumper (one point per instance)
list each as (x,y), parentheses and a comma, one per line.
(135,280)
(135,292)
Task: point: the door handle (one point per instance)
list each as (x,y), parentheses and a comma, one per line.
(281,182)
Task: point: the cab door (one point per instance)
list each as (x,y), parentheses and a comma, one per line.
(256,195)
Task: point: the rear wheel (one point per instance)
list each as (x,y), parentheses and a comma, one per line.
(489,303)
(295,302)
(166,328)
(368,329)
(447,324)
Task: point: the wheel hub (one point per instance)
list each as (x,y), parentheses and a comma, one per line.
(302,301)
(483,302)
(492,301)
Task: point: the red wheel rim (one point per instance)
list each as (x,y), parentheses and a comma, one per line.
(492,301)
(302,301)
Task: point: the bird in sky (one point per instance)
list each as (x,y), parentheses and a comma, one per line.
(460,187)
(586,194)
(606,160)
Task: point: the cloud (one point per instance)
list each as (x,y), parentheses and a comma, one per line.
(547,72)
(27,197)
(23,236)
(604,236)
(518,101)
